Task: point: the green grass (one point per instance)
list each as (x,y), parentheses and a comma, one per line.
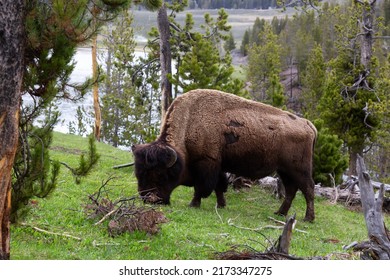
(189,234)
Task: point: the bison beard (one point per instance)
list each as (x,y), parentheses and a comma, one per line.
(207,133)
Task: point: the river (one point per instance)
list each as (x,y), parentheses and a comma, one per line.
(68,109)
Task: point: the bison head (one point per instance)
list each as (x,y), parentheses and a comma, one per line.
(157,168)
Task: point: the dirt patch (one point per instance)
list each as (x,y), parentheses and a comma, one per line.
(66,150)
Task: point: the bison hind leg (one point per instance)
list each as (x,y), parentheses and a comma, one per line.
(220,189)
(291,189)
(293,182)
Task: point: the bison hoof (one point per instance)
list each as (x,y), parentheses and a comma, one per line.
(195,204)
(309,219)
(221,205)
(280,213)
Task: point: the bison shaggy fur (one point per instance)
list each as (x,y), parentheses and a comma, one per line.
(207,133)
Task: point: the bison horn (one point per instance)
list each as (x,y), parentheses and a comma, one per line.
(173,157)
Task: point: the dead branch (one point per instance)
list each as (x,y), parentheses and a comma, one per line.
(123,165)
(277,251)
(230,223)
(105,217)
(123,214)
(50,232)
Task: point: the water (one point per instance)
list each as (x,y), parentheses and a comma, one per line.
(67,108)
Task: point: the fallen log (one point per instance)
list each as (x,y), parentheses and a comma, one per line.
(350,197)
(375,184)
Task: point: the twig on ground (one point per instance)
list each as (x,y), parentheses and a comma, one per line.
(50,232)
(106,216)
(216,211)
(283,223)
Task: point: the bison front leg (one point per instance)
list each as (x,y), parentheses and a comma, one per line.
(206,177)
(196,200)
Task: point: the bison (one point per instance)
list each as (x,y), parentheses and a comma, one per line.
(207,133)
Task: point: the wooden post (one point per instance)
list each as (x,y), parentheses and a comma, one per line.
(372,209)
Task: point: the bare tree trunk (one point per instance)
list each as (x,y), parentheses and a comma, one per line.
(165,59)
(95,90)
(96,105)
(352,163)
(366,28)
(372,208)
(11,76)
(366,50)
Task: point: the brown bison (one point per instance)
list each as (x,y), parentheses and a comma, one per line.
(207,133)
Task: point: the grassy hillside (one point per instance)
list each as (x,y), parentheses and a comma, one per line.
(189,234)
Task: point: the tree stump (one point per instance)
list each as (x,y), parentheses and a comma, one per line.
(285,238)
(379,242)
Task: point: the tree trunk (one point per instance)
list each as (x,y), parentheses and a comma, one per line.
(96,105)
(352,163)
(165,59)
(372,209)
(11,76)
(95,90)
(366,28)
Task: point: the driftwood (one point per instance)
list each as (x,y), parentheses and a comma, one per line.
(379,241)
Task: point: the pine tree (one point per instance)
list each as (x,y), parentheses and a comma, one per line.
(127,106)
(202,67)
(329,161)
(198,55)
(245,43)
(313,83)
(230,44)
(53,31)
(257,30)
(264,67)
(349,98)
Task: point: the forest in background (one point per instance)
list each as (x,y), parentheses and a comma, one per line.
(328,63)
